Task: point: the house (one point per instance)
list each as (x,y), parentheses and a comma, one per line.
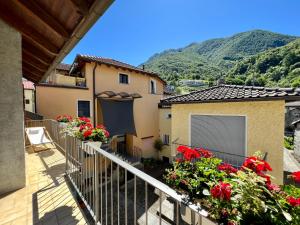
(29,96)
(234,120)
(122,97)
(35,36)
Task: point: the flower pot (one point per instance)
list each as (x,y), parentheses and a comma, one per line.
(95,144)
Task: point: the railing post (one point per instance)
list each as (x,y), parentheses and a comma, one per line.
(96,164)
(66,153)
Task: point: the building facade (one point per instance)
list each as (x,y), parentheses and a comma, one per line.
(122,97)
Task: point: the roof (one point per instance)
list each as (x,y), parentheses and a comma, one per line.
(63,66)
(293,104)
(224,93)
(111,62)
(49,29)
(28,85)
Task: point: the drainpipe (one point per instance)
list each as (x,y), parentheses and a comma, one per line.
(94,95)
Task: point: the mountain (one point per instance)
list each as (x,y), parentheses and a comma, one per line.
(274,67)
(213,58)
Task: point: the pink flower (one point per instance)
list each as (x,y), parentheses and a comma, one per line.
(221,191)
(273,187)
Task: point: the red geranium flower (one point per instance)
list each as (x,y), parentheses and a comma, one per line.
(87,133)
(227,168)
(257,165)
(296,176)
(84,119)
(221,191)
(100,127)
(293,201)
(85,126)
(188,153)
(106,133)
(205,153)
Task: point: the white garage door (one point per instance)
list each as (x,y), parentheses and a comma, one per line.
(219,133)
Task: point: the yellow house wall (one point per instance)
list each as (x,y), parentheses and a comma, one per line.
(53,101)
(29,94)
(165,128)
(145,108)
(265,126)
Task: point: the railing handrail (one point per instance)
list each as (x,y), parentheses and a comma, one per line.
(151,180)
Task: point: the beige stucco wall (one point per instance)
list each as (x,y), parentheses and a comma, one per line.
(165,128)
(29,94)
(145,108)
(265,126)
(12,153)
(53,101)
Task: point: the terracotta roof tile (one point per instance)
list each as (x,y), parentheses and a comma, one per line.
(234,93)
(63,66)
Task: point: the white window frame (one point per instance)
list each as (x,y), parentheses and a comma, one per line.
(207,114)
(155,90)
(123,74)
(86,100)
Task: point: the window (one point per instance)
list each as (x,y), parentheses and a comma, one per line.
(152,87)
(83,108)
(166,139)
(27,101)
(123,78)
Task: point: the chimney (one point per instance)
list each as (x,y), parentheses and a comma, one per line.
(143,67)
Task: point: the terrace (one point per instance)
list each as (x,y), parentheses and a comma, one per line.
(77,183)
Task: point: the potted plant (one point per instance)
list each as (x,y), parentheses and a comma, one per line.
(158,145)
(97,135)
(63,120)
(235,196)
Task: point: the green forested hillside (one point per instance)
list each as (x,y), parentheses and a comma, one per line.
(274,67)
(211,59)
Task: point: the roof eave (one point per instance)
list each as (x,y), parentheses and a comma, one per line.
(96,11)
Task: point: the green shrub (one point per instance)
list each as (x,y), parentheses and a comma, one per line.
(289,143)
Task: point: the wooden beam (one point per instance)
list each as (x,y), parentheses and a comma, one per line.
(36,52)
(81,6)
(29,74)
(48,19)
(32,58)
(23,26)
(32,68)
(38,66)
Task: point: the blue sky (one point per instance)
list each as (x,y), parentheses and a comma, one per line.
(133,30)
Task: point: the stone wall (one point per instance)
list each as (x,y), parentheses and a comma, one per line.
(12,155)
(297,141)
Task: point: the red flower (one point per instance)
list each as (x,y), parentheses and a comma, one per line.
(188,153)
(221,191)
(227,168)
(87,133)
(293,201)
(85,126)
(205,153)
(106,133)
(84,119)
(267,178)
(257,165)
(296,176)
(101,127)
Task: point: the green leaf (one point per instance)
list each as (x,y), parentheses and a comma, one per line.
(287,216)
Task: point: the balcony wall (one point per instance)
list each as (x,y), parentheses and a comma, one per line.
(12,156)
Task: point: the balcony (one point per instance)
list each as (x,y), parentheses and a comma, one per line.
(108,189)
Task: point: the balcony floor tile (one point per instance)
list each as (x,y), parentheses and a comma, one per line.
(46,199)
